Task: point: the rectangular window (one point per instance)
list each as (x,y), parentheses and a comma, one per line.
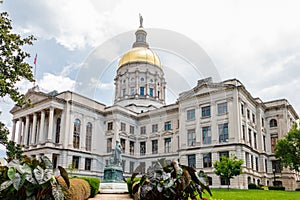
(243,132)
(123,126)
(207,160)
(168,125)
(110,126)
(192,160)
(251,161)
(142,148)
(206,135)
(143,167)
(131,148)
(142,91)
(88,164)
(191,137)
(109,145)
(205,111)
(190,114)
(262,122)
(54,160)
(131,167)
(151,92)
(123,165)
(256,163)
(132,91)
(222,108)
(250,137)
(131,129)
(276,165)
(247,159)
(75,162)
(248,113)
(154,128)
(264,141)
(123,142)
(124,92)
(223,132)
(274,139)
(242,109)
(255,142)
(253,118)
(143,130)
(154,146)
(223,153)
(266,166)
(167,145)
(224,181)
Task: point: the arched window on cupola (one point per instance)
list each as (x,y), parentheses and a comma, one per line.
(76,134)
(88,139)
(273,123)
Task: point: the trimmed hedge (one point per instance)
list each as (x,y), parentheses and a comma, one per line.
(253,186)
(130,183)
(94,184)
(79,189)
(276,188)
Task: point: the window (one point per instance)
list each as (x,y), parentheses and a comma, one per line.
(167,145)
(223,153)
(250,137)
(143,167)
(123,126)
(222,108)
(206,160)
(57,131)
(262,122)
(131,148)
(274,139)
(223,132)
(109,145)
(243,132)
(142,79)
(247,159)
(168,125)
(151,92)
(251,156)
(191,137)
(131,167)
(54,160)
(154,128)
(264,143)
(248,114)
(88,137)
(124,92)
(131,129)
(209,180)
(205,111)
(88,164)
(123,165)
(192,160)
(123,144)
(266,166)
(132,91)
(242,109)
(206,135)
(75,162)
(224,181)
(256,163)
(190,114)
(142,148)
(76,134)
(110,126)
(255,142)
(276,165)
(154,146)
(273,123)
(253,118)
(158,94)
(143,130)
(142,91)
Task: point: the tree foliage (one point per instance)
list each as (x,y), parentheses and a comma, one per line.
(288,149)
(228,167)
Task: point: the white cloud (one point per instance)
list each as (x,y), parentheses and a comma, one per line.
(51,82)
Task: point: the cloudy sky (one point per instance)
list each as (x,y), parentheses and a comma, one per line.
(256,42)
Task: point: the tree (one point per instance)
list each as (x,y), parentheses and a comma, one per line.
(13,68)
(287,149)
(228,167)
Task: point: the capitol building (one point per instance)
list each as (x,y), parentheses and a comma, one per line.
(208,121)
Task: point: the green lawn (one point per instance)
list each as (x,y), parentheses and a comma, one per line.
(233,194)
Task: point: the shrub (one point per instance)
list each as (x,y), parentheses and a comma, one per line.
(298,189)
(94,184)
(253,186)
(130,184)
(79,189)
(276,188)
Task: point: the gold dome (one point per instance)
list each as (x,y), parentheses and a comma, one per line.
(140,54)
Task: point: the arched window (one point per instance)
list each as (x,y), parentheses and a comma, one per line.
(76,133)
(273,123)
(88,139)
(249,179)
(57,131)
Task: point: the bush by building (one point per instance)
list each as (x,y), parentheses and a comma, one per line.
(94,184)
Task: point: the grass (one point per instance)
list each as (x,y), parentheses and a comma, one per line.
(232,194)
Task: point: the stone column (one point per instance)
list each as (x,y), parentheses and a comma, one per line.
(13,131)
(20,130)
(42,123)
(33,133)
(50,129)
(26,133)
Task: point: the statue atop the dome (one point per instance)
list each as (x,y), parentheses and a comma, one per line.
(141,20)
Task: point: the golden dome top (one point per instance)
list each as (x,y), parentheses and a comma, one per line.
(140,54)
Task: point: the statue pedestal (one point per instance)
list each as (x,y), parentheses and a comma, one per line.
(113,181)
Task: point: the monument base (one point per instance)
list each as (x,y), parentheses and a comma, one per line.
(110,188)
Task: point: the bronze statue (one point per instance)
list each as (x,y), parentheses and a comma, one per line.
(141,20)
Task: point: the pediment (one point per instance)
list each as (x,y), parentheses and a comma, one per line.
(167,133)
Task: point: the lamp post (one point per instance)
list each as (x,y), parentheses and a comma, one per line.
(274,171)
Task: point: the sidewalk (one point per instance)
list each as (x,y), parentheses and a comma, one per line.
(111,197)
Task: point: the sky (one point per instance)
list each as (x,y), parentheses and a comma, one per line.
(79,43)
